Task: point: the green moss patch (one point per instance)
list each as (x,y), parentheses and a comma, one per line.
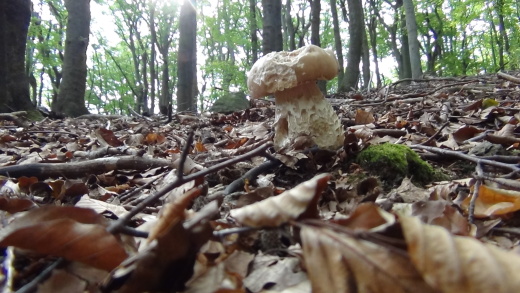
(393,162)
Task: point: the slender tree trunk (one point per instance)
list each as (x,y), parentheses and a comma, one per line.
(338,45)
(153,41)
(366,60)
(373,43)
(187,58)
(272,39)
(413,42)
(253,28)
(406,71)
(355,13)
(291,34)
(71,95)
(315,35)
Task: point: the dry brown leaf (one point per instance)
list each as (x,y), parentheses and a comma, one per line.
(14,205)
(465,133)
(364,117)
(109,137)
(441,213)
(172,213)
(301,201)
(73,233)
(274,272)
(459,264)
(367,216)
(337,262)
(494,202)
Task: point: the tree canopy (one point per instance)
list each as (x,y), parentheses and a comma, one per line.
(132,57)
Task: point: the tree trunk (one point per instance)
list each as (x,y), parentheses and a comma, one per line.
(406,69)
(253,28)
(315,35)
(71,96)
(355,12)
(153,41)
(15,16)
(187,58)
(413,42)
(291,34)
(337,38)
(366,60)
(372,30)
(272,39)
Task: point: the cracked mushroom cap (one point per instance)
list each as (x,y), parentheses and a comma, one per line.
(278,71)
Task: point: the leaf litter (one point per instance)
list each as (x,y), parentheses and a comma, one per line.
(100,204)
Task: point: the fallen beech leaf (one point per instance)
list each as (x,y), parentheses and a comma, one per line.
(441,213)
(25,182)
(459,264)
(364,117)
(172,213)
(14,205)
(109,137)
(493,202)
(337,262)
(167,262)
(276,272)
(368,216)
(301,201)
(465,132)
(73,233)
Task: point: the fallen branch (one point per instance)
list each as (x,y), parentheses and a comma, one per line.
(508,77)
(80,169)
(511,167)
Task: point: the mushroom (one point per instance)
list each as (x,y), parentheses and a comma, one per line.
(301,108)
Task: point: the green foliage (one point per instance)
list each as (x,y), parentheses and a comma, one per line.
(466,33)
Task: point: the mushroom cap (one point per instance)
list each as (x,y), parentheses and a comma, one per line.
(278,71)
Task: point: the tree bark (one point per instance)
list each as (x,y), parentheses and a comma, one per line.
(187,58)
(337,38)
(15,16)
(366,60)
(272,40)
(253,28)
(355,12)
(315,35)
(413,42)
(71,95)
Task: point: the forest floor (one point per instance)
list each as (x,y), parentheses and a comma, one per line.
(97,203)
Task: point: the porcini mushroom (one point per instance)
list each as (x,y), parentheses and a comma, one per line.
(301,108)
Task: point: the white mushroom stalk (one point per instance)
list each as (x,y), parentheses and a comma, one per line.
(301,108)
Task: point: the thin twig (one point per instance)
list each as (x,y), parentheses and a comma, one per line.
(121,222)
(31,286)
(184,155)
(511,167)
(436,133)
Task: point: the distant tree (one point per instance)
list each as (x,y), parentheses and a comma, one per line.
(253,31)
(272,39)
(71,96)
(338,44)
(356,31)
(187,58)
(413,42)
(15,17)
(289,26)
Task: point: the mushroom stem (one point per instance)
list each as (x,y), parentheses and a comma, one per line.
(303,110)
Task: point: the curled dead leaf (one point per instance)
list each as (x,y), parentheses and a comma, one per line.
(73,233)
(299,202)
(338,262)
(451,263)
